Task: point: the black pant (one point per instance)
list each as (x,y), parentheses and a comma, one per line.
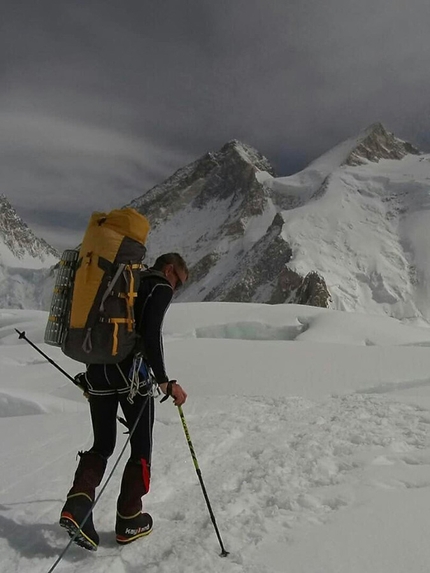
(109,386)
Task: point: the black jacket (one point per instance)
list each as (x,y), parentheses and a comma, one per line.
(153,299)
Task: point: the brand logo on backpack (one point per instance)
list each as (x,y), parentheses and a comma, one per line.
(97,311)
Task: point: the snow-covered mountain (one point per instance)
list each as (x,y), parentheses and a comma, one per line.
(25,262)
(359,215)
(349,231)
(220,214)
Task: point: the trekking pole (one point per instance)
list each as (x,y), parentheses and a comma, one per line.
(224,553)
(22,335)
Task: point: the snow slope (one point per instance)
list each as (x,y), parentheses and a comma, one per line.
(365,230)
(311,427)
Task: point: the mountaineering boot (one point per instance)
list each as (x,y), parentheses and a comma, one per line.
(89,474)
(129,529)
(131,523)
(76,508)
(80,498)
(134,485)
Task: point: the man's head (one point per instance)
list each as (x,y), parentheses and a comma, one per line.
(174,268)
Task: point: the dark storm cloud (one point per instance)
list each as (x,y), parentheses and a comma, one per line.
(101,100)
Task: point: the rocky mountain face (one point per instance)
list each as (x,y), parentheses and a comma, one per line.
(218,211)
(377,143)
(20,240)
(25,262)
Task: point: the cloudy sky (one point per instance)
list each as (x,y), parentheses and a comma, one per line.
(101,99)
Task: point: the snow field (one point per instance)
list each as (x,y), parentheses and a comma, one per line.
(311,428)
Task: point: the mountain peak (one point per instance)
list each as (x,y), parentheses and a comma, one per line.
(376,143)
(215,174)
(248,154)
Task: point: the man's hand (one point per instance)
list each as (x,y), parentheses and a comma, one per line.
(176,391)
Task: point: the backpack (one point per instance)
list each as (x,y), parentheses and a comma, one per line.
(92,316)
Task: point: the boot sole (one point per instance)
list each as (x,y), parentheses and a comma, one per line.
(77,534)
(124,540)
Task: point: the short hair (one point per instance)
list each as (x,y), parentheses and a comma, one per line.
(170,259)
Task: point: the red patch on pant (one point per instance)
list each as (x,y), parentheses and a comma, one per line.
(145,474)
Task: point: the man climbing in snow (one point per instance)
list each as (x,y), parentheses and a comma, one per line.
(124,383)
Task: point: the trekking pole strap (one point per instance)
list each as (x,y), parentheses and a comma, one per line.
(168,391)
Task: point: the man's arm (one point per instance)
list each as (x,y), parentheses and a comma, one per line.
(150,328)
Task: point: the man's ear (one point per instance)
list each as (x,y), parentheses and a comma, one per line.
(167,270)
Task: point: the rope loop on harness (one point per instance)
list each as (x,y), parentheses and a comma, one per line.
(141,379)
